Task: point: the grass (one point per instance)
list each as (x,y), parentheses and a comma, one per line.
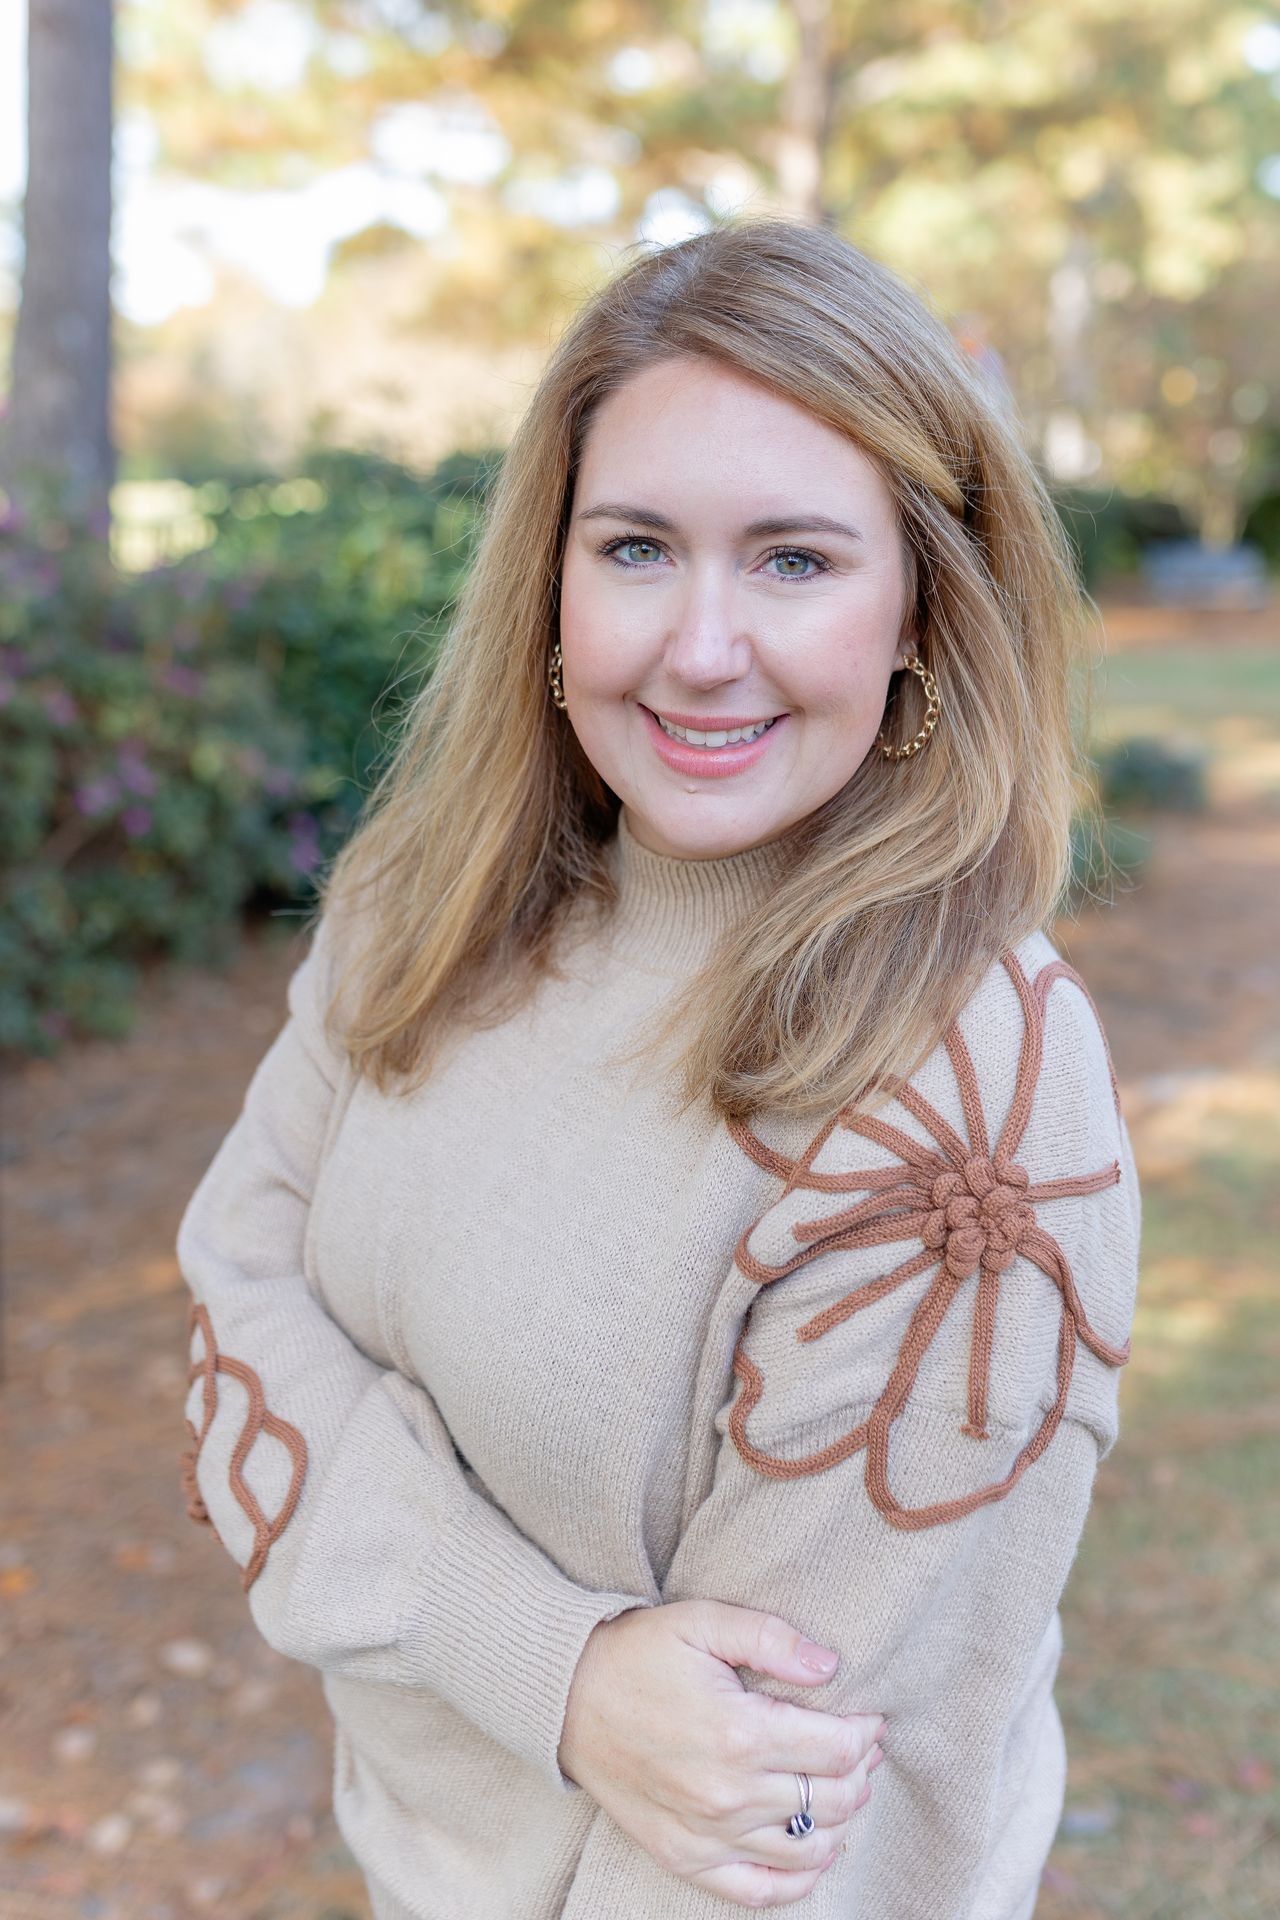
(1192,683)
(1167,1692)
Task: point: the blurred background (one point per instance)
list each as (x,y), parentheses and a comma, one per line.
(276,280)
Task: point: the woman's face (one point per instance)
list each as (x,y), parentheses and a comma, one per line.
(731,562)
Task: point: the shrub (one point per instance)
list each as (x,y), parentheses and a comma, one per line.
(151,784)
(1146,772)
(338,581)
(1111,531)
(1102,854)
(182,743)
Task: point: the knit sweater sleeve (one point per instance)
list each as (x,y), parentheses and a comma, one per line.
(925,1377)
(365,1547)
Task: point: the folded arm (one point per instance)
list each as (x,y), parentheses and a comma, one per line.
(365,1546)
(923,1387)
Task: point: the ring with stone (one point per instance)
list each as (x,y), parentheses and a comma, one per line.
(801,1823)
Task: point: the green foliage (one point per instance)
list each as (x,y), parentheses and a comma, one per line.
(1110,530)
(1104,853)
(338,583)
(1146,772)
(1261,527)
(147,781)
(180,743)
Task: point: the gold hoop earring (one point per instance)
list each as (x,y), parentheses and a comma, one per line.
(916,665)
(554,672)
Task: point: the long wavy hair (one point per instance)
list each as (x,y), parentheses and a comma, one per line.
(488,821)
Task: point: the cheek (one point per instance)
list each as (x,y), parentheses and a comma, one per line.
(602,652)
(843,674)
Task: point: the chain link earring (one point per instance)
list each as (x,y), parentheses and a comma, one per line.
(554,673)
(915,665)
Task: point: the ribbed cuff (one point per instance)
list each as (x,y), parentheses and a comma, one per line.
(499,1630)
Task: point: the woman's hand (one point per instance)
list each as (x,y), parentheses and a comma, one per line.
(699,1769)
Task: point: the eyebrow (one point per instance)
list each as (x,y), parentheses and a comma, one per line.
(786,523)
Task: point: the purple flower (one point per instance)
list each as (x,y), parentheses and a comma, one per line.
(135,773)
(187,681)
(60,707)
(96,796)
(304,856)
(136,821)
(304,846)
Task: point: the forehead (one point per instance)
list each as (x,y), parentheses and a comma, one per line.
(688,425)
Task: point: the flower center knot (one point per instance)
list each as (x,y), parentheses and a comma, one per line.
(978,1215)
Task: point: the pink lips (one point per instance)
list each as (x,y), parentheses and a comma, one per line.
(709,763)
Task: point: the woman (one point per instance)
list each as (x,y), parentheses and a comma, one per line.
(686,1226)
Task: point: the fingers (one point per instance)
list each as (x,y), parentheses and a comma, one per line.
(773,1867)
(750,1886)
(772,1849)
(833,1804)
(785,1736)
(765,1642)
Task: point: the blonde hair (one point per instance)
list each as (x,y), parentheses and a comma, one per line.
(488,822)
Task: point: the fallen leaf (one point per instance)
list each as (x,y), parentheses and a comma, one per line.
(1253,1774)
(191,1658)
(111,1834)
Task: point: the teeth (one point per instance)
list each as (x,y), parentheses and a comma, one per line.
(691,736)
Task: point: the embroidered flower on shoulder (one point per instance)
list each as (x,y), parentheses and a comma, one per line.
(972,1207)
(207,1367)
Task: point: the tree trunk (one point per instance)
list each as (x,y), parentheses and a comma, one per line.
(804,124)
(57,434)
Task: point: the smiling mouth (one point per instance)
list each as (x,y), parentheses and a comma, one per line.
(710,737)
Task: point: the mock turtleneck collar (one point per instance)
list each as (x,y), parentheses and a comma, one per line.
(671,911)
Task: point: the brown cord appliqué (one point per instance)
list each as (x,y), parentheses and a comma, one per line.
(210,1364)
(973,1211)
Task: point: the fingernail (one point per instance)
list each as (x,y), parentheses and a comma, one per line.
(816,1657)
(874,1761)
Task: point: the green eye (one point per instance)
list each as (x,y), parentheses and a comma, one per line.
(798,553)
(612,548)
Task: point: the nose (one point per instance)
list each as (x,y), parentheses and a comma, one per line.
(705,647)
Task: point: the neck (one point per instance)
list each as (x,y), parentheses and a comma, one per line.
(671,911)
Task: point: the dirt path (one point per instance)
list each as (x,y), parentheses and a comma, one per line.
(157,1760)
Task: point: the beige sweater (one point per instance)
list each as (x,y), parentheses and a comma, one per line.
(476,1369)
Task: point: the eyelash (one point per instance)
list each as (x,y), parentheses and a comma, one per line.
(609,549)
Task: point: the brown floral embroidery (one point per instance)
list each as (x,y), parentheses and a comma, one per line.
(210,1364)
(973,1209)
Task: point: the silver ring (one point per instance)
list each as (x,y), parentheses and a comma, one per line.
(801,1823)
